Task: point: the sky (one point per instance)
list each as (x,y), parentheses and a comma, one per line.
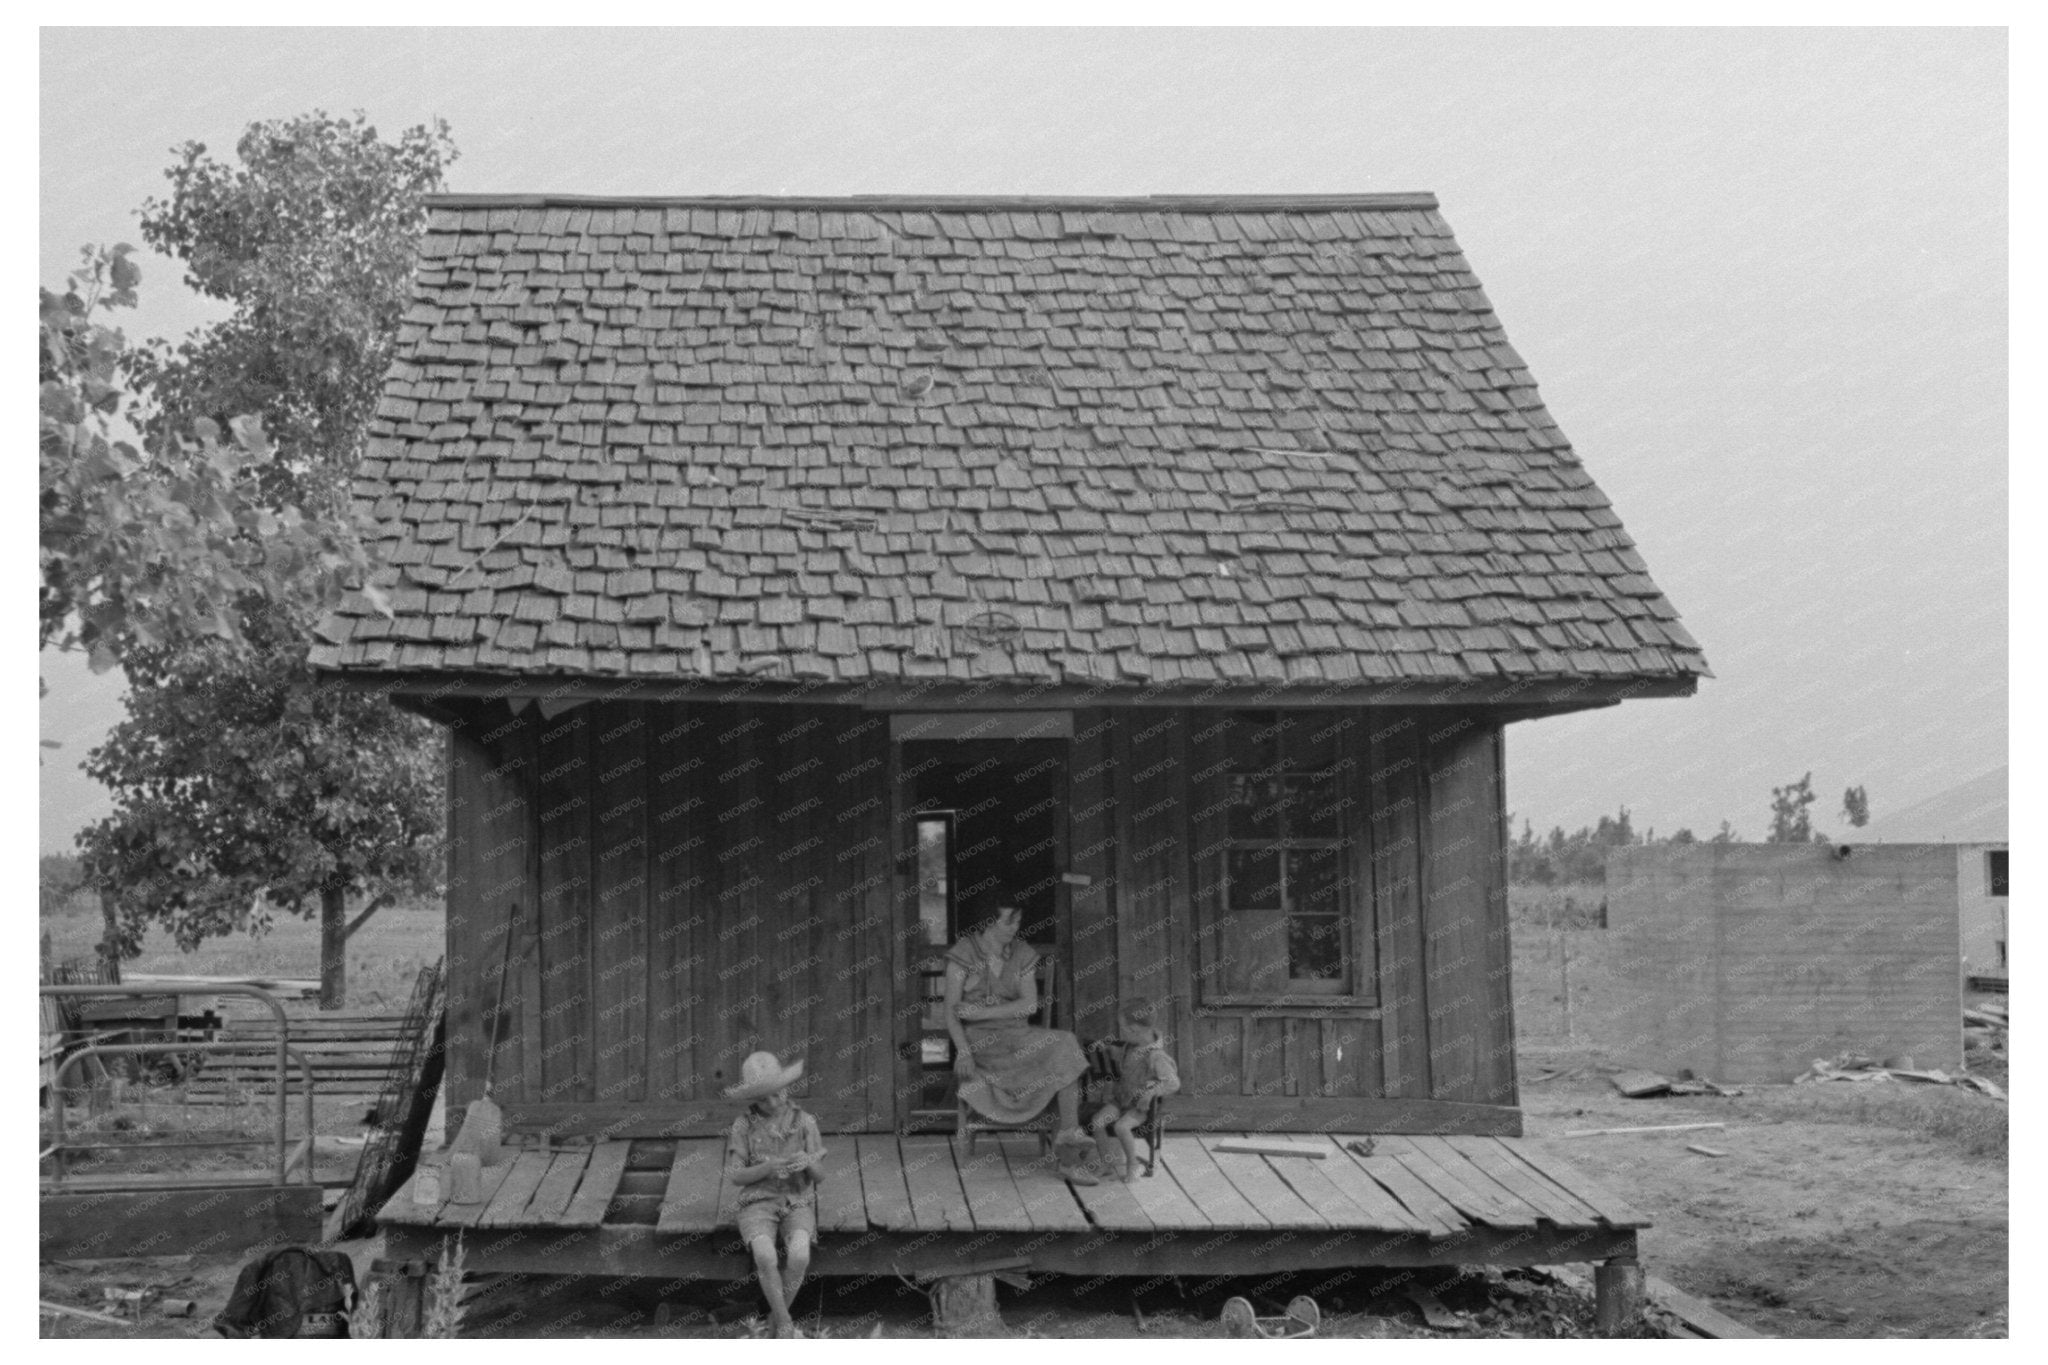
(1760,276)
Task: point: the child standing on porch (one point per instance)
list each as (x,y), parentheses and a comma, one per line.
(772,1154)
(1144,1073)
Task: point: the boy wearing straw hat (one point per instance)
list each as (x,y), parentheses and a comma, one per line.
(772,1154)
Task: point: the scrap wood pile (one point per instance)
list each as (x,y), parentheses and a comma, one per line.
(1851,1067)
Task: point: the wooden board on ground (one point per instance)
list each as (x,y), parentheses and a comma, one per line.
(600,1182)
(1639,1084)
(690,1203)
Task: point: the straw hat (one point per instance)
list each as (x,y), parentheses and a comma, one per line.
(762,1074)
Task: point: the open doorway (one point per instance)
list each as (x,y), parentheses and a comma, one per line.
(985,824)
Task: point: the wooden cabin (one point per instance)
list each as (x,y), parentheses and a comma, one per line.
(796,577)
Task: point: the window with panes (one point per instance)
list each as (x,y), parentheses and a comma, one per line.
(1288,913)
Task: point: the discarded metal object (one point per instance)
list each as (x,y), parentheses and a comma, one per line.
(1302,1319)
(1434,1314)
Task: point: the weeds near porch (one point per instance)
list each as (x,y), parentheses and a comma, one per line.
(444,1292)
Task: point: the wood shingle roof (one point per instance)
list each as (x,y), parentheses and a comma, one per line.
(1173,442)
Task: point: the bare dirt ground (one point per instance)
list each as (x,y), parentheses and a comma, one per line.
(1841,1210)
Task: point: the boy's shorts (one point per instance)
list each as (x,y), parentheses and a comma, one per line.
(764,1216)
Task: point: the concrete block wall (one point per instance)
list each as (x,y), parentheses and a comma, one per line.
(1747,962)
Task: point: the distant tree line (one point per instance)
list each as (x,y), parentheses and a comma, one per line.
(1582,856)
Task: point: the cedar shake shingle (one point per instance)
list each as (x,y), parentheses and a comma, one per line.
(1179,442)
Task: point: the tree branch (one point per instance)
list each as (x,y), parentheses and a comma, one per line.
(360,920)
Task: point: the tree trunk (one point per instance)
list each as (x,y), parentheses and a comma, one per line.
(333,947)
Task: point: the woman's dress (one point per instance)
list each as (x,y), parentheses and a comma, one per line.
(1019,1067)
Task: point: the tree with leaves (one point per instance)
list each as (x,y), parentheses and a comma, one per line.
(242,786)
(1790,819)
(1856,807)
(145,541)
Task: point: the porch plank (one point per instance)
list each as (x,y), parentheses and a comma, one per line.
(935,1193)
(883,1189)
(551,1200)
(454,1215)
(992,1196)
(1380,1209)
(1258,1183)
(509,1204)
(840,1206)
(1320,1189)
(1048,1200)
(1113,1207)
(1527,1184)
(1477,1204)
(1166,1204)
(1415,1195)
(1465,1169)
(1602,1200)
(695,1177)
(1195,1171)
(600,1182)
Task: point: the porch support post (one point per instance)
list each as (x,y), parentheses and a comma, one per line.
(1617,1294)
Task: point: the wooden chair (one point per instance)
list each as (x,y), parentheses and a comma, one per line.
(1103,1071)
(1045,1125)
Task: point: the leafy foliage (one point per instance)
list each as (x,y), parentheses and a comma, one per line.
(1790,820)
(1856,807)
(241,785)
(312,238)
(147,542)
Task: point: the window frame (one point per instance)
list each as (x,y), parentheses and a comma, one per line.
(1358,990)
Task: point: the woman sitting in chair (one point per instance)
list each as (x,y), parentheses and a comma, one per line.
(1010,1069)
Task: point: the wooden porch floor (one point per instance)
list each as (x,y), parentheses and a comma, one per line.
(1429,1187)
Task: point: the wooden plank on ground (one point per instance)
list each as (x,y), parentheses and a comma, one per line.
(883,1188)
(600,1182)
(508,1207)
(1380,1209)
(935,1194)
(695,1176)
(992,1196)
(552,1197)
(840,1207)
(1476,1200)
(1261,1187)
(1185,1159)
(1604,1201)
(1522,1182)
(1048,1200)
